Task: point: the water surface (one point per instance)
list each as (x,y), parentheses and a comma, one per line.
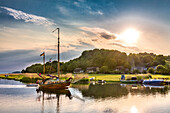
(15,97)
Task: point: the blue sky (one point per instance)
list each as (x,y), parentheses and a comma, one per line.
(26,28)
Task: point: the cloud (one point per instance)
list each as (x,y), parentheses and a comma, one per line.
(96,12)
(20,59)
(87,8)
(20,15)
(76,4)
(126,47)
(63,10)
(107,36)
(101,33)
(82,45)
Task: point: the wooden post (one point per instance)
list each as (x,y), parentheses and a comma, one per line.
(44,66)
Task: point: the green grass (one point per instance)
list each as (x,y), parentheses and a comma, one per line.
(107,77)
(12,77)
(116,77)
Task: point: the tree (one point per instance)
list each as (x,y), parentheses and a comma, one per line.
(23,71)
(161,69)
(151,70)
(147,60)
(104,69)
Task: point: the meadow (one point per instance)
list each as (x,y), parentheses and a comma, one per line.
(32,77)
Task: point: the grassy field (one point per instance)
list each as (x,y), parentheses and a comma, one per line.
(107,77)
(116,77)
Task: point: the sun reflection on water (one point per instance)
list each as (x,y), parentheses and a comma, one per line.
(134,109)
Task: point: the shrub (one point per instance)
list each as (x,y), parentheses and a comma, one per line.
(83,81)
(26,79)
(151,70)
(139,77)
(104,69)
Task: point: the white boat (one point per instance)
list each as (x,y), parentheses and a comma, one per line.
(153,82)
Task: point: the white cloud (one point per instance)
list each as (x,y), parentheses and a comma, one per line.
(96,12)
(89,10)
(63,10)
(20,15)
(76,4)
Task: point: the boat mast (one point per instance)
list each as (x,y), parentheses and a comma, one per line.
(58,51)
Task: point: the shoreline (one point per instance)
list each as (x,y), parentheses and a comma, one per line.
(109,78)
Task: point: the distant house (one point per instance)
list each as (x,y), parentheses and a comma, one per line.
(92,69)
(139,68)
(78,70)
(119,68)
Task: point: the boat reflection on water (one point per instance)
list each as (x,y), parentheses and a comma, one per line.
(98,91)
(147,89)
(51,94)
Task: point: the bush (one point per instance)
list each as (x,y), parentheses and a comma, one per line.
(83,81)
(104,69)
(30,80)
(139,77)
(160,69)
(26,79)
(136,71)
(151,70)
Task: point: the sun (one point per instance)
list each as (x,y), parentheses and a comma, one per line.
(130,36)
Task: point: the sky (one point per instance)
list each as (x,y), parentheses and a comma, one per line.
(130,26)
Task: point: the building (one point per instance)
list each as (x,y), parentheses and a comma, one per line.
(92,69)
(78,70)
(139,68)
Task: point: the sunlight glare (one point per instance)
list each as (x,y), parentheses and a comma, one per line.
(134,109)
(130,36)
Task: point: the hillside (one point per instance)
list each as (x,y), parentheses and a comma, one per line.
(110,59)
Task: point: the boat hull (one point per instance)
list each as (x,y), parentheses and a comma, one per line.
(153,82)
(61,85)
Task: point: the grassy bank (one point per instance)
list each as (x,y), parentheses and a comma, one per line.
(29,77)
(117,77)
(33,77)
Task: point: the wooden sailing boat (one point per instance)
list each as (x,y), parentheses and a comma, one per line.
(51,83)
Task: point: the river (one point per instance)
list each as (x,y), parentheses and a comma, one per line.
(15,97)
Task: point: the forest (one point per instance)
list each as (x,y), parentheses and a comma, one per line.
(109,61)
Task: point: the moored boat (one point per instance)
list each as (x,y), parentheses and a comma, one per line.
(32,85)
(153,82)
(54,82)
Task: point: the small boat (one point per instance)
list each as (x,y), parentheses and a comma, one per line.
(101,81)
(32,85)
(153,82)
(129,81)
(54,82)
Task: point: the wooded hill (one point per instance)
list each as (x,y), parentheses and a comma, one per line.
(110,60)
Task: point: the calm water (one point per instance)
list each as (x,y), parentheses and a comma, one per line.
(15,97)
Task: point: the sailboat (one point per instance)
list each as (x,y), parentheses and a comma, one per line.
(52,83)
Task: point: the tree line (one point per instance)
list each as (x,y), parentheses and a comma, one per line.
(108,61)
